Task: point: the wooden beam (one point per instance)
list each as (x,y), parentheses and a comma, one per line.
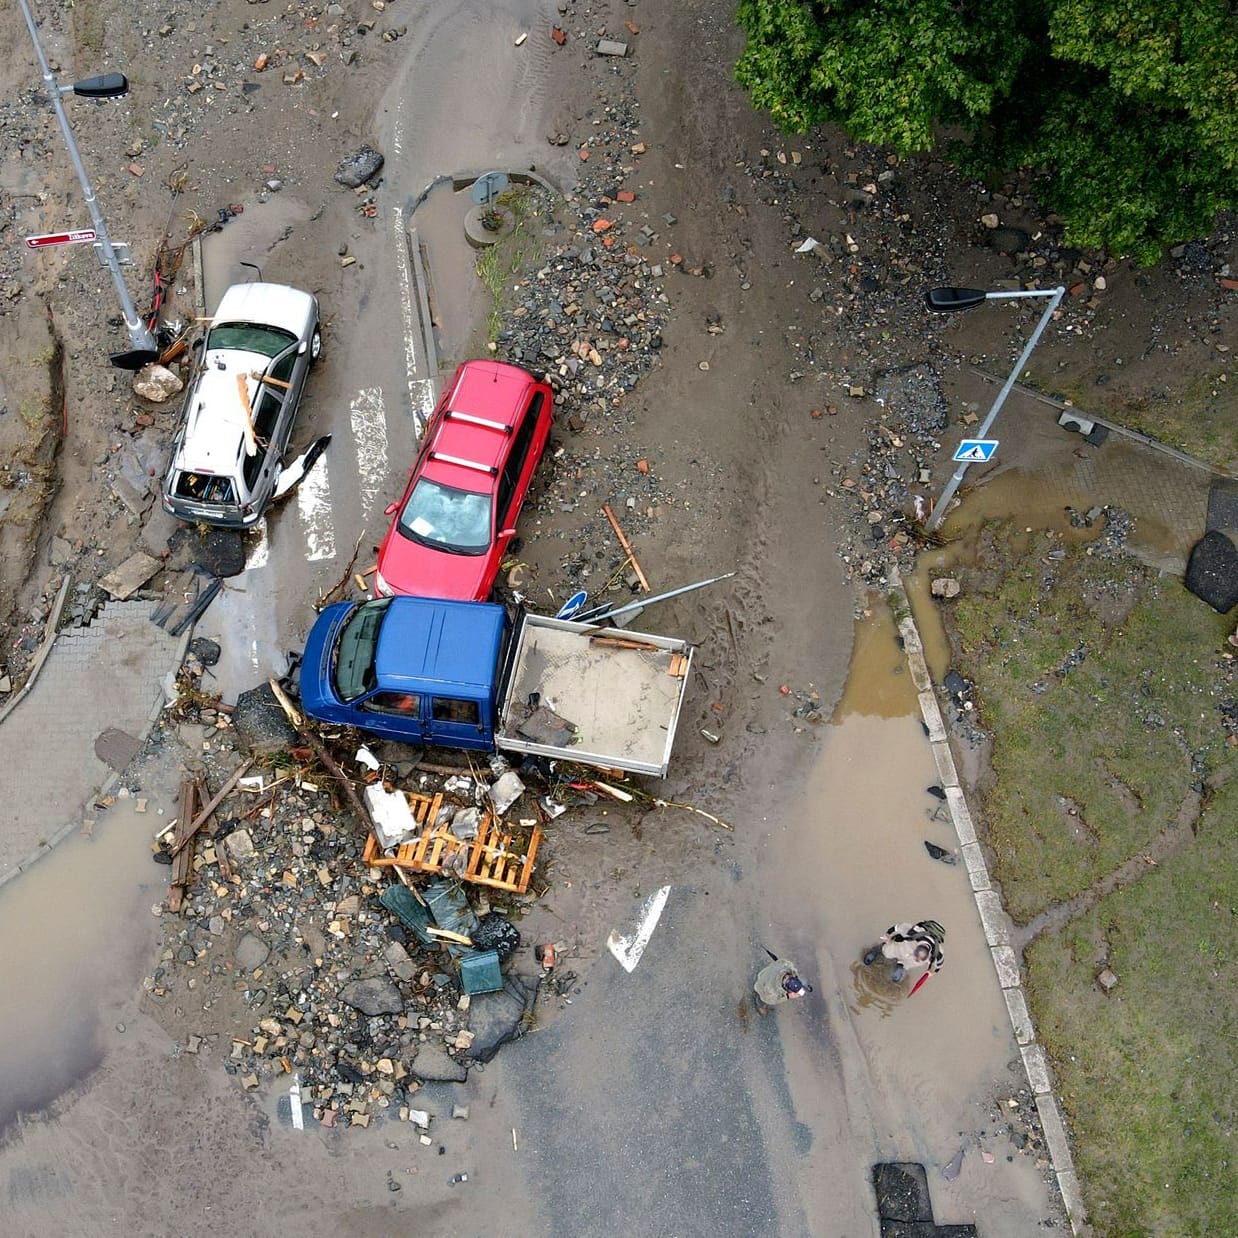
(627,549)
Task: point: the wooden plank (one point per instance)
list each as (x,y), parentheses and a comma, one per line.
(186,830)
(184,858)
(627,549)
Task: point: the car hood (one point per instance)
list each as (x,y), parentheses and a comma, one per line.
(408,567)
(317,691)
(276,304)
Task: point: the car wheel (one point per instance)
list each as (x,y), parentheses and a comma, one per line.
(315,345)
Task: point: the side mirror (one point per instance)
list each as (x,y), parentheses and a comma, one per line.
(391,509)
(507,533)
(952,300)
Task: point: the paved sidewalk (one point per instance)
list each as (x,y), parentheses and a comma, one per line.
(96,679)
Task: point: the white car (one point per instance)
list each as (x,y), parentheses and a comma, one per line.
(242,404)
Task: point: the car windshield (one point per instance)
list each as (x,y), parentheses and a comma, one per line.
(457,521)
(249,337)
(356,650)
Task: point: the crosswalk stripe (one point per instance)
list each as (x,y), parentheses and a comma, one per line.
(369,432)
(314,506)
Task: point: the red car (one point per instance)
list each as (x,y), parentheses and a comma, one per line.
(459,510)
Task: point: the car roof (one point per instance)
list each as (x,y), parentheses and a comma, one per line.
(491,392)
(215,421)
(277,304)
(427,639)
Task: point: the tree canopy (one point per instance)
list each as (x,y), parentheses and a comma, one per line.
(1127,110)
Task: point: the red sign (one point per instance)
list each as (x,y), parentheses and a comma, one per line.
(80,237)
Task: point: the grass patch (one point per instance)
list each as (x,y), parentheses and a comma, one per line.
(1148,1074)
(1099,681)
(509,256)
(1104,684)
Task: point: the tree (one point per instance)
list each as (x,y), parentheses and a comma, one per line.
(1127,110)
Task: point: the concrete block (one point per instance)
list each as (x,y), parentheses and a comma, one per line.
(1037,1068)
(1020,1019)
(961,815)
(1006,964)
(995,921)
(932,717)
(947,775)
(977,869)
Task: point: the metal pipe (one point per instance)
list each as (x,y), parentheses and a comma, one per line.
(939,512)
(140,336)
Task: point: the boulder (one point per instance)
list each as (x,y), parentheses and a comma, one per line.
(358,168)
(373,997)
(433,1064)
(1212,570)
(156,383)
(496,1018)
(251,952)
(260,722)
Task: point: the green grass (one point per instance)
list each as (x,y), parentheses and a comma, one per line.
(499,263)
(1147,1074)
(1120,736)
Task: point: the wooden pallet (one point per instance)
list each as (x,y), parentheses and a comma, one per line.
(494,862)
(491,859)
(425,812)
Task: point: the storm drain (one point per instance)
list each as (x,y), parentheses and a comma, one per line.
(903,1203)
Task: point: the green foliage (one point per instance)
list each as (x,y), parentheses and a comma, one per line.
(1127,109)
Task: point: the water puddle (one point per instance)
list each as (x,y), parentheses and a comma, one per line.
(855,862)
(77,932)
(459,300)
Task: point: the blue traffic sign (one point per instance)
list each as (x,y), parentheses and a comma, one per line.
(975,450)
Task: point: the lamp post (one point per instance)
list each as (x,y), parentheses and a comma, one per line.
(954,300)
(143,348)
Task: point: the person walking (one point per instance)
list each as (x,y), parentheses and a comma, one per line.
(778,982)
(911,948)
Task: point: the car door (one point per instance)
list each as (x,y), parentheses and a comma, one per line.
(457,722)
(395,715)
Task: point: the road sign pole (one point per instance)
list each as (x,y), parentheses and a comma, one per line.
(144,348)
(1056,295)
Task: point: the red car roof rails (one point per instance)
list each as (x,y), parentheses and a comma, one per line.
(472,420)
(489,469)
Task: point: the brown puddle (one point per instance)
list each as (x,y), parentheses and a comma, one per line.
(77,931)
(854,863)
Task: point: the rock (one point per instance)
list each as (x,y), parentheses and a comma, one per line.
(373,997)
(1107,981)
(945,587)
(251,952)
(1008,240)
(397,958)
(1212,570)
(497,933)
(433,1064)
(359,168)
(240,845)
(260,722)
(205,650)
(156,383)
(496,1018)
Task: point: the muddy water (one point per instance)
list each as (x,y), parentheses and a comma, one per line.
(855,862)
(77,931)
(459,300)
(254,236)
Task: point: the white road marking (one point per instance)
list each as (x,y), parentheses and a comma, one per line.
(628,950)
(259,548)
(294,1100)
(369,432)
(314,505)
(408,317)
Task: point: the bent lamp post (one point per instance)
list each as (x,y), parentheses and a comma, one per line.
(954,300)
(143,348)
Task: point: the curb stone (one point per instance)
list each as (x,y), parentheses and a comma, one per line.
(993,918)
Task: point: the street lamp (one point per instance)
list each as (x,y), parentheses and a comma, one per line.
(954,300)
(106,86)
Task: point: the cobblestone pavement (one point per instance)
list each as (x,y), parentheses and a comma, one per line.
(102,678)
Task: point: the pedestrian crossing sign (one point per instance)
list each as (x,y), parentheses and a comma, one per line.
(975,450)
